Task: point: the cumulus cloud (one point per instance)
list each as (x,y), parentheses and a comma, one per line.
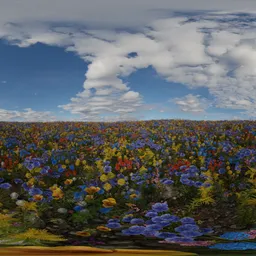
(216,51)
(192,103)
(28,115)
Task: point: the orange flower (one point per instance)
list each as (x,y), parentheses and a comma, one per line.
(38,197)
(83,233)
(68,181)
(103,228)
(92,190)
(109,202)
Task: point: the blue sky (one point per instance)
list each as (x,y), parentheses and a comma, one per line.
(162,64)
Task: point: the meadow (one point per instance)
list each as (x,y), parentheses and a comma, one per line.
(147,184)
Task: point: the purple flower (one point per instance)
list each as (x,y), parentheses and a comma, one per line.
(1,180)
(222,171)
(113,225)
(137,221)
(136,230)
(160,207)
(17,181)
(166,235)
(151,214)
(154,227)
(5,185)
(169,217)
(157,219)
(190,233)
(187,220)
(150,233)
(127,219)
(35,191)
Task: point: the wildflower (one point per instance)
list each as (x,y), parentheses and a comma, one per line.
(89,197)
(103,228)
(38,197)
(137,221)
(121,182)
(83,233)
(107,186)
(62,210)
(5,185)
(68,181)
(104,178)
(160,207)
(92,190)
(38,235)
(113,225)
(14,195)
(109,202)
(151,214)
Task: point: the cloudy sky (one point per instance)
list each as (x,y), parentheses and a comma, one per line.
(108,60)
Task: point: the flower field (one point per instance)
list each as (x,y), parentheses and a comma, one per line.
(166,183)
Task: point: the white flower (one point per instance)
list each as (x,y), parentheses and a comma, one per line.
(20,202)
(82,203)
(62,210)
(14,195)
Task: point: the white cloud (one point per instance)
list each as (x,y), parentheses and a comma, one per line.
(4,82)
(214,51)
(192,103)
(28,115)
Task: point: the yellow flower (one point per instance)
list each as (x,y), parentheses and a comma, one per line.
(92,190)
(103,228)
(133,195)
(107,186)
(77,163)
(63,166)
(68,181)
(103,177)
(28,175)
(38,235)
(121,182)
(20,166)
(111,175)
(84,162)
(57,193)
(29,206)
(89,197)
(109,202)
(67,161)
(83,233)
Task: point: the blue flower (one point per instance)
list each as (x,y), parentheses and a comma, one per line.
(157,219)
(160,207)
(151,214)
(150,233)
(187,220)
(78,208)
(137,221)
(127,219)
(154,227)
(169,217)
(17,181)
(222,171)
(5,185)
(113,225)
(35,191)
(136,230)
(105,210)
(238,246)
(166,235)
(190,233)
(113,220)
(235,236)
(180,239)
(1,180)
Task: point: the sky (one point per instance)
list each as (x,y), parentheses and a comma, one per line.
(116,60)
